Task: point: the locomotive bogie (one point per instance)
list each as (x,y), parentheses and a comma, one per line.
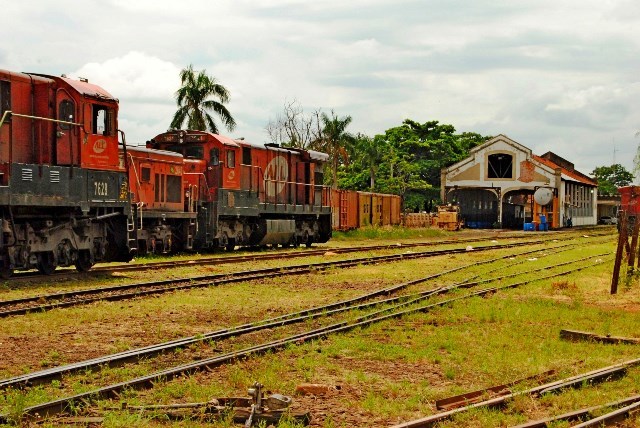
(45,241)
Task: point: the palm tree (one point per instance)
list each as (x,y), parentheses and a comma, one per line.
(194,101)
(335,140)
(371,150)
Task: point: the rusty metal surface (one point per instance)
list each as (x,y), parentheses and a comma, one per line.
(578,414)
(482,394)
(622,242)
(574,335)
(603,374)
(612,417)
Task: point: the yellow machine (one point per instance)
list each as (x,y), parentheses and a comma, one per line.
(449,217)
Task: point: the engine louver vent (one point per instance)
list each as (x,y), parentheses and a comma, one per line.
(27,174)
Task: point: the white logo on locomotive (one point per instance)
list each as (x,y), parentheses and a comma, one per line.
(276,175)
(100,145)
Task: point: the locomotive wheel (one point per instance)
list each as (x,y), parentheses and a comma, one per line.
(231,244)
(83,264)
(5,272)
(46,263)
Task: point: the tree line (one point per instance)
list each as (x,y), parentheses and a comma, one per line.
(405,160)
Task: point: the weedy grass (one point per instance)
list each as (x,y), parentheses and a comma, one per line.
(390,371)
(389,232)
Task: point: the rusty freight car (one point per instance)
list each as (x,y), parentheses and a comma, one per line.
(353,209)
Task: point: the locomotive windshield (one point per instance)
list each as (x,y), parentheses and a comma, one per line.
(192,152)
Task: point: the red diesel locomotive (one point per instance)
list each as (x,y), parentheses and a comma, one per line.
(73,193)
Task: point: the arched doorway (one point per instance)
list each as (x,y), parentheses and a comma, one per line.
(478,207)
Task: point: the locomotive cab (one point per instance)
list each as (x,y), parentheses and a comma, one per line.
(62,185)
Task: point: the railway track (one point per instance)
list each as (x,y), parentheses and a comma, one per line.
(65,299)
(612,372)
(243,258)
(398,307)
(230,259)
(333,308)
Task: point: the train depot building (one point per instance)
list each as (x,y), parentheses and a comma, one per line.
(503,184)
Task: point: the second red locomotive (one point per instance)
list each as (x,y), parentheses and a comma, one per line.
(244,193)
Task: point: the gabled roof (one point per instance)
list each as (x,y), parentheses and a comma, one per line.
(569,175)
(504,138)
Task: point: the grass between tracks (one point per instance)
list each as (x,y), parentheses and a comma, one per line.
(380,375)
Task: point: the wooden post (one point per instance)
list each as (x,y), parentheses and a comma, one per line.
(622,240)
(634,244)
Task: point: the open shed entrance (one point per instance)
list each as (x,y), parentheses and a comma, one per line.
(478,207)
(517,208)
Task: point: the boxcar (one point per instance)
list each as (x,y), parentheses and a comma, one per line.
(353,209)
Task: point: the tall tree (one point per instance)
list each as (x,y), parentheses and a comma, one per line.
(199,94)
(294,128)
(610,178)
(335,141)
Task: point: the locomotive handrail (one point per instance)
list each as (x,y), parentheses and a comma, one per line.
(139,205)
(313,186)
(206,185)
(135,171)
(48,119)
(11,113)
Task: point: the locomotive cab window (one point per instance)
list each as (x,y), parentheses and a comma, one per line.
(246,155)
(194,152)
(214,157)
(191,152)
(231,159)
(5,98)
(103,120)
(66,111)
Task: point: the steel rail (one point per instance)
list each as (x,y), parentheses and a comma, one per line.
(112,360)
(256,257)
(228,259)
(612,417)
(61,405)
(75,298)
(577,415)
(601,374)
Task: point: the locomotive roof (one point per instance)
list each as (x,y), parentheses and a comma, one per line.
(312,153)
(83,87)
(315,155)
(146,150)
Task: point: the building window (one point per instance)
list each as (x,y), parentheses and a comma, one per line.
(500,165)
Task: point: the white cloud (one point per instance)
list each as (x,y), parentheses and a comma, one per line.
(558,76)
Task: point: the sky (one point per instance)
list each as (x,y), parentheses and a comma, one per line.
(561,76)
